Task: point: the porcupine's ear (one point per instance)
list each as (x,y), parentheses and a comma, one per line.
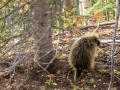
(96,38)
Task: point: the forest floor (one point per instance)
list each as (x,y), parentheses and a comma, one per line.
(99,79)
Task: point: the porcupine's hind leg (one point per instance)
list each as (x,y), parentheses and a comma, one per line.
(77,72)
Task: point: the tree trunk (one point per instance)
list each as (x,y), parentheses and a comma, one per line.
(41,25)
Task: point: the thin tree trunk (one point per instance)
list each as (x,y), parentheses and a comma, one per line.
(85,5)
(80,8)
(113,44)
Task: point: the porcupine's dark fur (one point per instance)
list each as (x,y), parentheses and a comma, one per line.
(82,54)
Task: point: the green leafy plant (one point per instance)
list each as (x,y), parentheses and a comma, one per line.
(92,81)
(50,82)
(100,6)
(74,87)
(117,73)
(103,71)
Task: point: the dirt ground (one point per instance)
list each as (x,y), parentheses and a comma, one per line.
(99,79)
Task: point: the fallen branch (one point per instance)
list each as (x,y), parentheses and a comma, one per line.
(109,41)
(101,24)
(103,41)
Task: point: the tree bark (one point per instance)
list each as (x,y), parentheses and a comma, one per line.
(41,25)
